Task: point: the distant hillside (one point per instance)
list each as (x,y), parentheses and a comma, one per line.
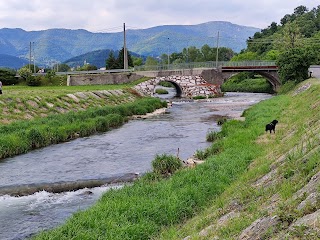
(96,58)
(11,61)
(50,46)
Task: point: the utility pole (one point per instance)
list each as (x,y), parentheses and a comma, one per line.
(217,54)
(30,56)
(168,54)
(125,54)
(34,60)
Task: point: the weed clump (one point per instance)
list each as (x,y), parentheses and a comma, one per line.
(166,165)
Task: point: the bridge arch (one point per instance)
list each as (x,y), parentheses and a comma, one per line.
(179,92)
(271,76)
(273,79)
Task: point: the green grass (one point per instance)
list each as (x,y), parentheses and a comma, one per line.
(297,142)
(22,136)
(55,91)
(192,199)
(161,91)
(45,100)
(156,209)
(248,85)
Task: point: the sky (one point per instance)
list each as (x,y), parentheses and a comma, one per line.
(109,15)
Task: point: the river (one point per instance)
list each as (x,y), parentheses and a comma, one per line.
(128,149)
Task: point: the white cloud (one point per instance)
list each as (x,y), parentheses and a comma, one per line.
(109,15)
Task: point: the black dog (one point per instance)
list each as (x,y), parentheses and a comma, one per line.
(272,126)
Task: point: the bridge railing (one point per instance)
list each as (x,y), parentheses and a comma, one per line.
(210,64)
(88,72)
(162,67)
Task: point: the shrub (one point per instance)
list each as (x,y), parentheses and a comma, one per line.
(213,136)
(161,91)
(287,87)
(7,77)
(36,137)
(33,81)
(199,97)
(200,154)
(166,164)
(247,85)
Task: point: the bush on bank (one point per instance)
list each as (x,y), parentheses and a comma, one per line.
(259,85)
(22,136)
(142,210)
(166,165)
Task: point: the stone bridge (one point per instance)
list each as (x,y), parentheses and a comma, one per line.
(191,81)
(185,85)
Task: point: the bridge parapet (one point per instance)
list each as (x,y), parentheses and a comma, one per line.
(206,65)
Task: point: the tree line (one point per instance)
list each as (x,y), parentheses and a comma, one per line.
(190,54)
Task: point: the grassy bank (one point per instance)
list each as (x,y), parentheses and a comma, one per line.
(153,209)
(25,103)
(34,117)
(259,85)
(274,197)
(22,136)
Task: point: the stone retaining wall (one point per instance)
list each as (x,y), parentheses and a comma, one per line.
(100,79)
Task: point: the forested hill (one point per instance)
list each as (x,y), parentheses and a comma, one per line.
(61,44)
(294,44)
(300,29)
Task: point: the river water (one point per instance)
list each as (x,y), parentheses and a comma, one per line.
(129,149)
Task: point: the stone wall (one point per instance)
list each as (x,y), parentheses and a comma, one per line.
(101,79)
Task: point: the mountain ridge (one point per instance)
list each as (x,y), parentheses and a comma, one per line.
(58,44)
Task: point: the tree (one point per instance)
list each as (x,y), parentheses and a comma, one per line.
(307,24)
(33,68)
(207,53)
(33,81)
(24,72)
(225,54)
(137,61)
(164,59)
(299,11)
(176,57)
(294,64)
(245,56)
(287,18)
(7,76)
(120,59)
(289,38)
(272,55)
(151,61)
(50,75)
(88,67)
(194,54)
(111,62)
(62,67)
